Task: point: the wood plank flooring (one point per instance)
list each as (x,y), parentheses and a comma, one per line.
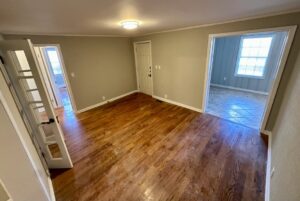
(141,149)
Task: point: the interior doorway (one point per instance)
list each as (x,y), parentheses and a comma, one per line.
(243,72)
(53,72)
(143,63)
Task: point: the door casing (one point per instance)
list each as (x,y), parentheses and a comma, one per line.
(275,84)
(41,119)
(37,161)
(64,71)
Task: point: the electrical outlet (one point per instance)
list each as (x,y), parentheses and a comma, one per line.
(225,78)
(103,97)
(166,96)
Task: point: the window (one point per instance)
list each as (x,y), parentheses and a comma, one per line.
(55,64)
(253,55)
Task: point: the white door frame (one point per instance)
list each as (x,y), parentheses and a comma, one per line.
(29,106)
(281,65)
(64,72)
(136,67)
(53,91)
(10,107)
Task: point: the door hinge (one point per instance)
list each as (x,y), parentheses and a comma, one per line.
(43,155)
(51,120)
(2,60)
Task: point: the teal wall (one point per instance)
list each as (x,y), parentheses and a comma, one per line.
(225,61)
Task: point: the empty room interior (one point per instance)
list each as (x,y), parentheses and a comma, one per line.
(242,71)
(149,100)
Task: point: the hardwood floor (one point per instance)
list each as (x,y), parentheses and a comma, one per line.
(141,149)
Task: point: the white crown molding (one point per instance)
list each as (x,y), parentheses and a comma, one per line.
(64,35)
(225,22)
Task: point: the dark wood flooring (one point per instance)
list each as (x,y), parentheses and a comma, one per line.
(140,149)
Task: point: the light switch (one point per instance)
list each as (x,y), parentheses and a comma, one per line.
(72,74)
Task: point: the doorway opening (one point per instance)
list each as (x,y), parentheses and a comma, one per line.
(53,73)
(243,73)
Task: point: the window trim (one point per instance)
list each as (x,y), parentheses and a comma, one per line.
(240,51)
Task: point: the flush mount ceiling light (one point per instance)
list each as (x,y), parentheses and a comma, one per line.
(130,24)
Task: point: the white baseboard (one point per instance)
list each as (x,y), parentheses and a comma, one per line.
(177,103)
(104,102)
(239,89)
(268,170)
(266,132)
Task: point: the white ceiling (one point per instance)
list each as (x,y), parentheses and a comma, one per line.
(102,17)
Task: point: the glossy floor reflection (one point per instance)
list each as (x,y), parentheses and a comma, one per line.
(138,149)
(240,107)
(63,92)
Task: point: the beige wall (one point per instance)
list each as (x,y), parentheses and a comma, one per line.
(103,66)
(182,56)
(285,183)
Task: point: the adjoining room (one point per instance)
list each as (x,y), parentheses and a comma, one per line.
(52,68)
(244,68)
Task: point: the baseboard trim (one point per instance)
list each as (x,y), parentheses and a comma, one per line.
(177,103)
(268,170)
(266,132)
(239,89)
(105,102)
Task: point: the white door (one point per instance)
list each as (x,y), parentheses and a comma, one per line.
(144,67)
(24,80)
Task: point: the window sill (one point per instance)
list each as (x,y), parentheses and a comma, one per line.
(250,76)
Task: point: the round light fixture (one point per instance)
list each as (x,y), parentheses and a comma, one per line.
(130,24)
